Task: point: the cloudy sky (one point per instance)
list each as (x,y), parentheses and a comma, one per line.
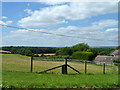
(60,24)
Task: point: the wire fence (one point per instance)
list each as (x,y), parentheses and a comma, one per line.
(81,61)
(87,67)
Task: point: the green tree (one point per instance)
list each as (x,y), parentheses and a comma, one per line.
(80,47)
(64,51)
(28,52)
(67,51)
(118,48)
(58,52)
(83,55)
(103,53)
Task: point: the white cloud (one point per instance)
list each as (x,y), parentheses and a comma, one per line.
(3,17)
(93,35)
(106,23)
(58,1)
(94,28)
(29,11)
(51,16)
(53,2)
(5,23)
(112,30)
(1,22)
(9,22)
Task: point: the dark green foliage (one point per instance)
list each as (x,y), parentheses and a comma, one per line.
(70,50)
(28,51)
(36,55)
(64,51)
(65,57)
(83,55)
(59,52)
(102,51)
(94,51)
(116,60)
(80,47)
(67,51)
(118,48)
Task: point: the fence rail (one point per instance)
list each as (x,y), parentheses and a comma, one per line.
(86,65)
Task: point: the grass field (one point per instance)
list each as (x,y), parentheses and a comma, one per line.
(16,73)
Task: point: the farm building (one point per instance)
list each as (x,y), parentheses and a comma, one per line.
(5,52)
(107,59)
(116,54)
(101,59)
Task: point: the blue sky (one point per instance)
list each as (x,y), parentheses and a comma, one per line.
(91,23)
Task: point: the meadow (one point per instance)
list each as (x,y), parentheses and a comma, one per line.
(16,74)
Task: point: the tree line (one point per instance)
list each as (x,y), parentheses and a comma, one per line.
(28,51)
(80,51)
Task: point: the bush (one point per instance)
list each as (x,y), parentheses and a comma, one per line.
(59,56)
(65,56)
(83,55)
(116,60)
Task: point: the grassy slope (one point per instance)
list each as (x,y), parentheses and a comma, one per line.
(16,70)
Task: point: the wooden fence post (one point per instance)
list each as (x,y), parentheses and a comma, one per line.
(85,67)
(31,63)
(64,67)
(104,68)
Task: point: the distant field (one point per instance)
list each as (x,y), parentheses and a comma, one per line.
(16,73)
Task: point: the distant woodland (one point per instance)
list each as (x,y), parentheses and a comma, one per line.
(78,51)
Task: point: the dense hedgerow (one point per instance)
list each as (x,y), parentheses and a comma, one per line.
(83,55)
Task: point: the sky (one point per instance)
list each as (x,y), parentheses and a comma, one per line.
(64,23)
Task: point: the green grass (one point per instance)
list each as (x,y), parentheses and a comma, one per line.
(21,63)
(33,80)
(16,73)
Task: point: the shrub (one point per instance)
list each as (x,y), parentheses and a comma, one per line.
(59,56)
(116,60)
(83,55)
(65,56)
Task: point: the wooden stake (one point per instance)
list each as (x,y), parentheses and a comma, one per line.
(64,69)
(104,68)
(50,69)
(73,69)
(31,63)
(65,61)
(85,67)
